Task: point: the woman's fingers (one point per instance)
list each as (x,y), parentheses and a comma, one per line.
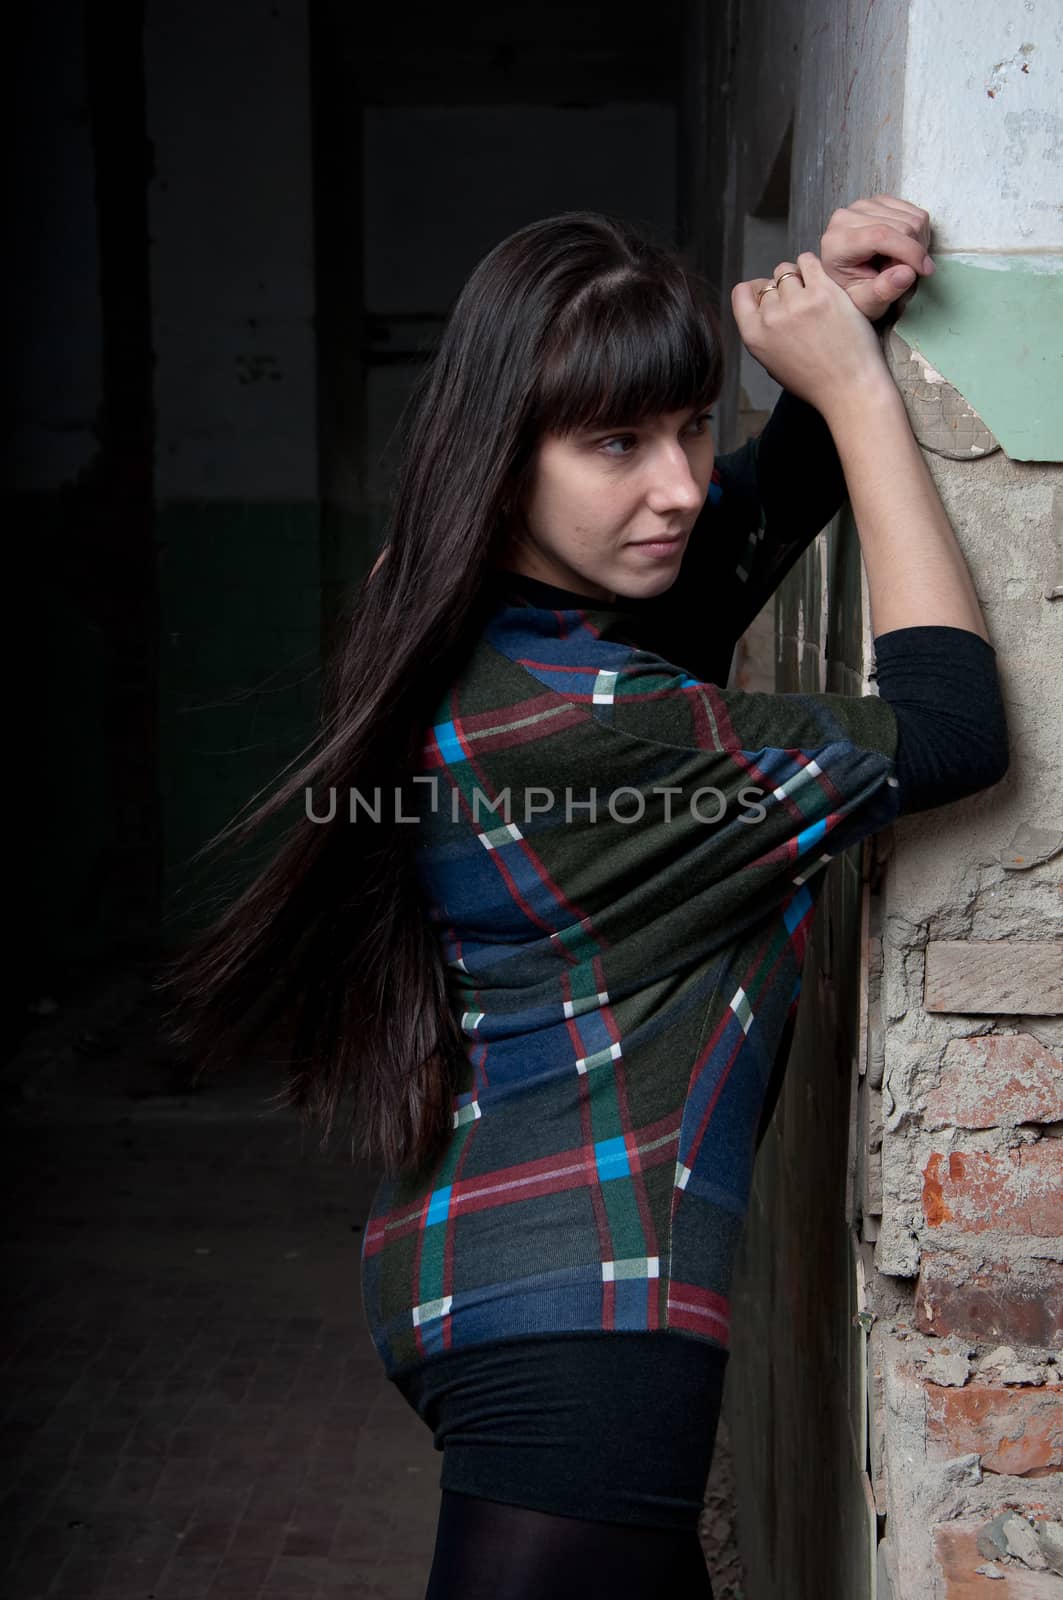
(805,331)
(886,239)
(788,276)
(870,237)
(745,308)
(811,268)
(762,286)
(890,208)
(887,208)
(884,235)
(751,299)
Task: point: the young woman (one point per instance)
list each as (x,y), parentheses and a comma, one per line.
(544,914)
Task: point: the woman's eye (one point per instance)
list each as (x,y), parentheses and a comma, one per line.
(700,422)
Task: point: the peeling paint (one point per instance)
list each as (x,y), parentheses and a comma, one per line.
(990,325)
(1048,262)
(930,374)
(999,74)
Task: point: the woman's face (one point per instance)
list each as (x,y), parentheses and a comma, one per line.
(599,500)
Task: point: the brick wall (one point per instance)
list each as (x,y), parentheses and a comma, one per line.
(894,1393)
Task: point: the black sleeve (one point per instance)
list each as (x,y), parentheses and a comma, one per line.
(766,503)
(777,491)
(801,487)
(952,733)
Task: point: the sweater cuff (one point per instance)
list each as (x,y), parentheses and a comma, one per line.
(952,734)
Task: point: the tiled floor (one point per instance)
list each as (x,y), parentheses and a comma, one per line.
(191,1401)
(192,1405)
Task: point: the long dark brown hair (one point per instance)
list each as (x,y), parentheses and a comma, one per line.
(578,320)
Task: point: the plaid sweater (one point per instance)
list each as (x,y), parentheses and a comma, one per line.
(621,859)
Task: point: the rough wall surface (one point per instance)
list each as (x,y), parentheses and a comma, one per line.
(894,1392)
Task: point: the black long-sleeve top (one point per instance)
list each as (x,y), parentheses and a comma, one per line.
(768,501)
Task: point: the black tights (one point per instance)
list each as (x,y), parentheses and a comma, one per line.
(486,1550)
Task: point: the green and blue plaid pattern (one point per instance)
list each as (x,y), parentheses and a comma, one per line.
(620,860)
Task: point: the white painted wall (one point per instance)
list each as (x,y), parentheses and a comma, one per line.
(983,122)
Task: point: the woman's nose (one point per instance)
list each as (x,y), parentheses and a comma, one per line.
(675,488)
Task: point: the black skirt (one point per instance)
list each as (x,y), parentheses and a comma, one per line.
(614,1426)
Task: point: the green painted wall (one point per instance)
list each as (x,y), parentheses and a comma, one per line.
(993,326)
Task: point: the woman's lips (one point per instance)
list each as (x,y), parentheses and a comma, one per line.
(659,547)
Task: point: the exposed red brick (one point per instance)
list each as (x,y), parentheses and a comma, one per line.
(995,1079)
(992,1304)
(1014,1430)
(1015,1191)
(934,1208)
(958,1557)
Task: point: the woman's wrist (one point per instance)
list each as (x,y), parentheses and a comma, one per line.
(854,405)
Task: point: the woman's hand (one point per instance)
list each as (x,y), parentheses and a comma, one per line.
(876,250)
(808,335)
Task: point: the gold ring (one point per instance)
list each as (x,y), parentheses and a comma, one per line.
(762,292)
(783,275)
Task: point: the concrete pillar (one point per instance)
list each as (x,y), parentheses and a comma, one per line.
(907,1216)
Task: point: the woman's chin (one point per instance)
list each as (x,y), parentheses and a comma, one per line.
(655,580)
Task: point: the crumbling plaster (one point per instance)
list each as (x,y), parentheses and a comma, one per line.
(929,101)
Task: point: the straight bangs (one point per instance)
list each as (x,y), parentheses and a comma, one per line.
(626,349)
